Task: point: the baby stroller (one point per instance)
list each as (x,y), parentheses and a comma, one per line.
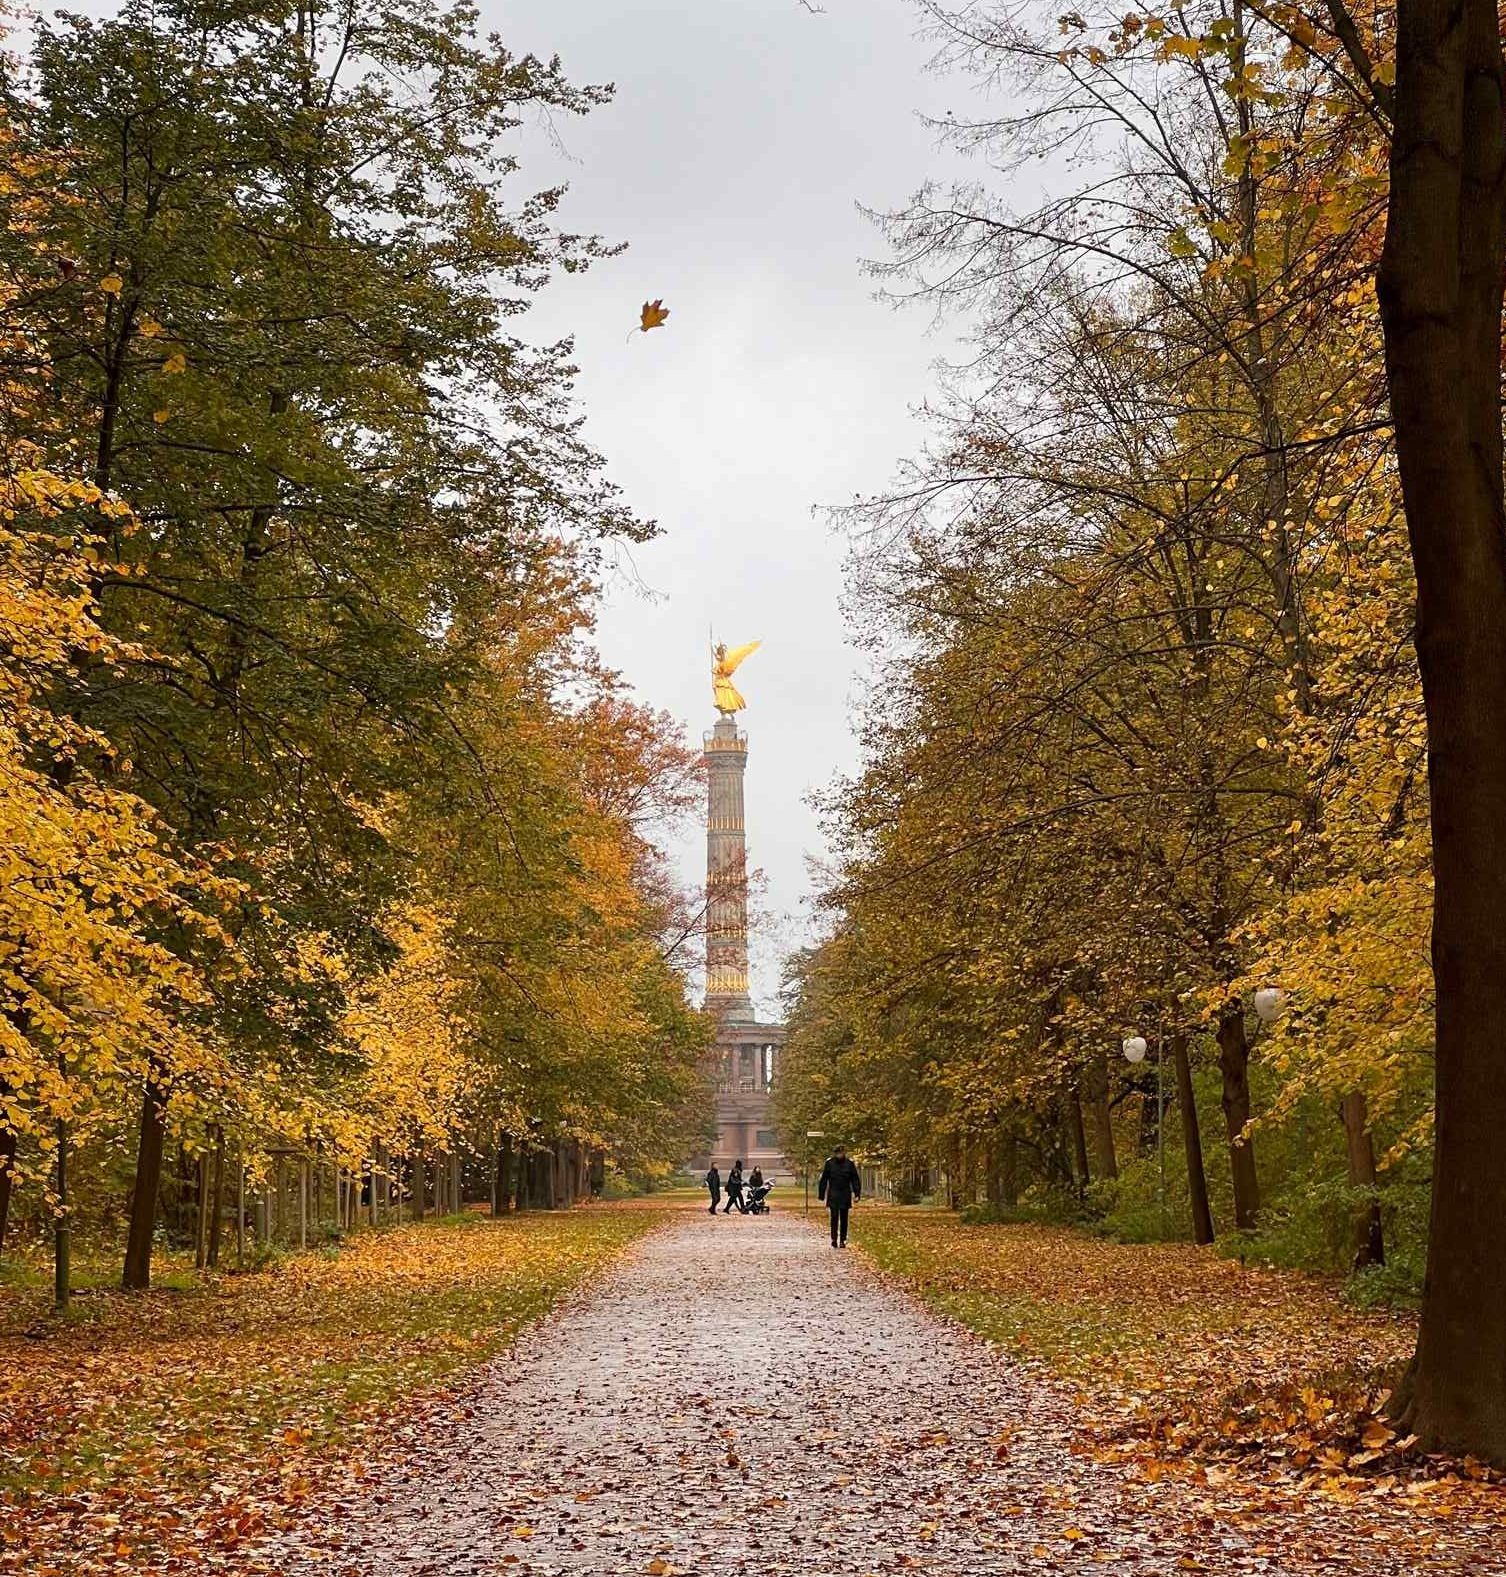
(758,1199)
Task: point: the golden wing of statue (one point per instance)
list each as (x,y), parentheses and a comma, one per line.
(729,663)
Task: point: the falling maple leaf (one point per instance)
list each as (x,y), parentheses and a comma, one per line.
(652,317)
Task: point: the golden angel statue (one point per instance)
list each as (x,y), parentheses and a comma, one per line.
(725,664)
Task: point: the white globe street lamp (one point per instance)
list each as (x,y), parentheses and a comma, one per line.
(1270,1004)
(1134,1052)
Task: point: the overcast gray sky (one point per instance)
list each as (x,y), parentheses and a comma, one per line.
(743,136)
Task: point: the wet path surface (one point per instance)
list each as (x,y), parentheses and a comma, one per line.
(738,1398)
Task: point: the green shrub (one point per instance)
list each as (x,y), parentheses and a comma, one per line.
(1049,1202)
(1312,1224)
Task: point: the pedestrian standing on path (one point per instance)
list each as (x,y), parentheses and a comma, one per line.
(714,1185)
(840,1184)
(735,1190)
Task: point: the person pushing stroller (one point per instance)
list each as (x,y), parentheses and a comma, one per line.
(758,1193)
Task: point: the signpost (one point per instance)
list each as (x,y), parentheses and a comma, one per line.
(810,1133)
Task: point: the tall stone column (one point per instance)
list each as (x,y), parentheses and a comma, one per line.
(726,758)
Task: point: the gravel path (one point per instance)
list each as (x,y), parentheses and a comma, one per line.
(738,1398)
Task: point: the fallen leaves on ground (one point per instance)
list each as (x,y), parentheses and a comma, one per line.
(1187,1363)
(866,1437)
(163,1430)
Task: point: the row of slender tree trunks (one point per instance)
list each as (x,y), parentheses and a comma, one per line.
(550,1178)
(1087,1149)
(212,1200)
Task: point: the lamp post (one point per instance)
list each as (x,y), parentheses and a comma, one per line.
(810,1133)
(1134,1052)
(1270,1004)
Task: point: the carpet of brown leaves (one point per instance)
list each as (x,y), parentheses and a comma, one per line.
(1190,1364)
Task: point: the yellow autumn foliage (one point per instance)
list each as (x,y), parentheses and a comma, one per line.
(91,890)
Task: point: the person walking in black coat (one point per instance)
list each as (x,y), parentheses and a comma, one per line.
(714,1186)
(735,1190)
(840,1184)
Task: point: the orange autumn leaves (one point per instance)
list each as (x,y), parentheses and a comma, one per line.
(1185,1363)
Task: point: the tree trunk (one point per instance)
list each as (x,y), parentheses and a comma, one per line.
(62,1235)
(7,1178)
(1369,1236)
(184,1224)
(1009,1170)
(1097,1084)
(1192,1142)
(1147,1140)
(1078,1137)
(151,1136)
(1440,289)
(201,1211)
(1234,1065)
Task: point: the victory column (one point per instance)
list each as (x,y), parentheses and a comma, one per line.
(746,1051)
